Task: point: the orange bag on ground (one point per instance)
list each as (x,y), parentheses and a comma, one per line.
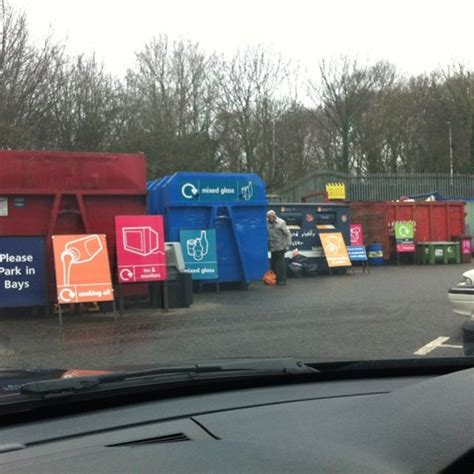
(269,278)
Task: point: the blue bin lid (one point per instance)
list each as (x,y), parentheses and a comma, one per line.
(187,188)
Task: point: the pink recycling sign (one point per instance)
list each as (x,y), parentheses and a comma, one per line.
(140,248)
(466,247)
(357,239)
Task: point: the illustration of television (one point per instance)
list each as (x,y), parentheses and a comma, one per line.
(142,241)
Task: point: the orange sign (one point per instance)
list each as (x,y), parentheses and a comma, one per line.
(82,268)
(335,249)
(325,227)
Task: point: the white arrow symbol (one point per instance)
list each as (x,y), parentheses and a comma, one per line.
(188,190)
(67,295)
(403,229)
(126,274)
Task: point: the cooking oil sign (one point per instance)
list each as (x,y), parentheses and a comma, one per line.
(82,268)
(22,271)
(199,253)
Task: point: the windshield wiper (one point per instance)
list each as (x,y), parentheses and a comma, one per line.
(74,384)
(243,369)
(269,366)
(260,367)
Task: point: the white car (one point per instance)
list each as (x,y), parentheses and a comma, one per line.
(461,296)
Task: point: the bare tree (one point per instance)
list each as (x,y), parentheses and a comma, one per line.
(189,110)
(343,95)
(459,104)
(171,95)
(299,149)
(249,106)
(26,75)
(85,106)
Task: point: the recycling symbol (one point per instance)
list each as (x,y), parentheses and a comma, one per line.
(404,231)
(189,191)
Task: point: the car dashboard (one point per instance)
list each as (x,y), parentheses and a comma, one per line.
(387,424)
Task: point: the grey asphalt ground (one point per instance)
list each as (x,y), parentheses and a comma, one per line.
(391,312)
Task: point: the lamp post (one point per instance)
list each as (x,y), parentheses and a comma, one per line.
(451,171)
(273,141)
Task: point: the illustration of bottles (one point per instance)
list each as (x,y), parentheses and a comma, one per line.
(247,191)
(204,242)
(198,247)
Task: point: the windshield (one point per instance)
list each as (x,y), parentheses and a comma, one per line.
(191,182)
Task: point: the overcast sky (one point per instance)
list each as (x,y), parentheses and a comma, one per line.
(417,35)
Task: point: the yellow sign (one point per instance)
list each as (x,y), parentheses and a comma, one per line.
(336,190)
(335,249)
(325,227)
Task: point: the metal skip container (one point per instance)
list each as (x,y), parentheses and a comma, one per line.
(438,221)
(307,221)
(45,193)
(231,206)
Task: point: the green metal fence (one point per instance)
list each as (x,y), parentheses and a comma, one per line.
(382,187)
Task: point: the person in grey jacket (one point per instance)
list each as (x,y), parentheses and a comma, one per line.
(279,237)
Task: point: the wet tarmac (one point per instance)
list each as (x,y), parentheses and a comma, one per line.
(391,312)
